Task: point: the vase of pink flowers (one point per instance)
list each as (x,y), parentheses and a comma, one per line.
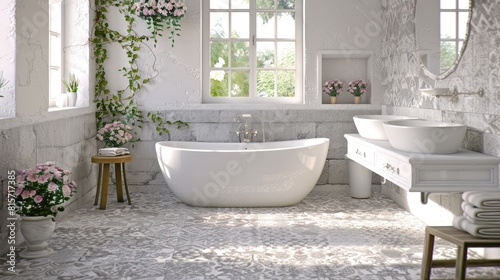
(357,88)
(39,195)
(115,134)
(333,88)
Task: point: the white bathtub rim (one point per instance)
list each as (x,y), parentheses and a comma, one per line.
(262,148)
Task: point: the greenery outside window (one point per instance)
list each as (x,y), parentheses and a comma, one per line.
(55,49)
(252,51)
(453,17)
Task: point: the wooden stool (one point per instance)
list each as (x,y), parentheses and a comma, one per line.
(104,163)
(464,241)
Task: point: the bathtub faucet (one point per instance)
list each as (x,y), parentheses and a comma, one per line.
(245,132)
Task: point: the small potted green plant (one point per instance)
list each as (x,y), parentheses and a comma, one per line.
(3,82)
(71,86)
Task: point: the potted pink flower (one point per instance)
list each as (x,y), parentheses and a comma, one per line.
(39,195)
(357,88)
(333,88)
(42,189)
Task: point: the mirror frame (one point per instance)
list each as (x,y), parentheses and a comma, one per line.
(454,66)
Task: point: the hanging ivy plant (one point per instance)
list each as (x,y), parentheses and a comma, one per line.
(122,105)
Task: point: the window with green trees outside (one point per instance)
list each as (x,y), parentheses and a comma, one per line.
(252,51)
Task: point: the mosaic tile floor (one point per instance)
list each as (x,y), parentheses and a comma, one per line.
(326,236)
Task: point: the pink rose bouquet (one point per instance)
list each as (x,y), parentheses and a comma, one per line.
(115,134)
(357,88)
(40,190)
(333,87)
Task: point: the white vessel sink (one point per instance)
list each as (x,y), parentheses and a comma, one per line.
(425,137)
(370,126)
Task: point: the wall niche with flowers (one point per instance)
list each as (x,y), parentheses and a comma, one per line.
(345,66)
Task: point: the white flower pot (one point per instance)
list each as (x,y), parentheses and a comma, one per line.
(72,99)
(36,231)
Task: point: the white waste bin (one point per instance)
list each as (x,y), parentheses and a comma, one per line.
(360,180)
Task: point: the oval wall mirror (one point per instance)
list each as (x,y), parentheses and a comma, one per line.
(441,33)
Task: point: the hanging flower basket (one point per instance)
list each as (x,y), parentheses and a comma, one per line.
(161,15)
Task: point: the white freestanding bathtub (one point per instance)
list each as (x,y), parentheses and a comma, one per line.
(242,174)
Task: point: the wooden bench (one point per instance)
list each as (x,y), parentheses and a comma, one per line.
(464,241)
(103,177)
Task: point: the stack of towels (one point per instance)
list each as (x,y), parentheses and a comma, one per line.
(113,152)
(481,216)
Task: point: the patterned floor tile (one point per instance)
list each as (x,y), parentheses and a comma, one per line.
(328,235)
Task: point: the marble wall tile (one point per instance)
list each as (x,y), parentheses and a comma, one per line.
(18,147)
(280,116)
(289,131)
(334,116)
(479,67)
(335,132)
(89,124)
(486,16)
(323,178)
(339,172)
(62,132)
(229,115)
(49,154)
(214,132)
(193,115)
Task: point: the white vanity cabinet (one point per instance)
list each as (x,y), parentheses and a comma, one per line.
(458,172)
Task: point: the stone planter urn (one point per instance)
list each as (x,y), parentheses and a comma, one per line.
(36,230)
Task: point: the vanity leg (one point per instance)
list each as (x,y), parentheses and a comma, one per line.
(360,180)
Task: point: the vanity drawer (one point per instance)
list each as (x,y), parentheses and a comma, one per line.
(359,151)
(392,166)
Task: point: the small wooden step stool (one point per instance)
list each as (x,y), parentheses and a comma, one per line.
(464,241)
(103,177)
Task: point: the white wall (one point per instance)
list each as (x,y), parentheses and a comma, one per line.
(8,57)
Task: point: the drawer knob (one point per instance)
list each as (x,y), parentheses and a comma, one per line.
(391,168)
(358,152)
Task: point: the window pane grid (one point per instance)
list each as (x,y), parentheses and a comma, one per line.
(55,48)
(455,15)
(242,52)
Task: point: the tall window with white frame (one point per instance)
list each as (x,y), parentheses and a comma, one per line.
(55,52)
(252,51)
(453,17)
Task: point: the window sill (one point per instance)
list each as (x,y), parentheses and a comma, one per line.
(56,109)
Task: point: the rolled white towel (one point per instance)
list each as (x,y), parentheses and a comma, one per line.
(485,200)
(481,214)
(481,231)
(480,221)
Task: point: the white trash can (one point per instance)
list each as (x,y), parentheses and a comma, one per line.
(360,180)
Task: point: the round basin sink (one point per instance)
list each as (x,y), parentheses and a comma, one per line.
(425,137)
(370,126)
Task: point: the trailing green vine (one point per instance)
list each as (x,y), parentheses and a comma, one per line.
(122,105)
